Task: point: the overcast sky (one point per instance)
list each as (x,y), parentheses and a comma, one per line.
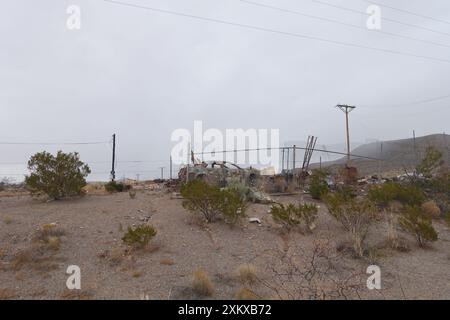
(142,74)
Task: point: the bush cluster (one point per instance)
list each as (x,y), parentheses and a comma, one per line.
(291,215)
(60,176)
(211,201)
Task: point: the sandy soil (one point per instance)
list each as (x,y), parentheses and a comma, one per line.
(94,225)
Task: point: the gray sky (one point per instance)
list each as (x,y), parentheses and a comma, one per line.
(142,74)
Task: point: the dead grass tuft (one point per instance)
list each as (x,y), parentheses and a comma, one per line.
(247,273)
(167,262)
(246,294)
(76,295)
(6,294)
(202,284)
(431,209)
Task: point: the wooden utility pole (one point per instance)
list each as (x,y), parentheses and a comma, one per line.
(170,168)
(293,159)
(113,171)
(347,109)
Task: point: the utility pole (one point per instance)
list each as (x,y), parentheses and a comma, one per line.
(162,173)
(293,159)
(347,109)
(170,168)
(113,171)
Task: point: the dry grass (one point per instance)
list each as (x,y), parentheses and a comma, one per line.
(116,255)
(167,262)
(431,209)
(136,274)
(76,295)
(202,284)
(40,256)
(35,257)
(247,273)
(246,294)
(6,294)
(7,220)
(53,243)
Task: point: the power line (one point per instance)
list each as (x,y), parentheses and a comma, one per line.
(273,31)
(406,11)
(385,19)
(342,23)
(54,143)
(410,104)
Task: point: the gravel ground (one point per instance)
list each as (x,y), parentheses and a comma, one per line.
(94,225)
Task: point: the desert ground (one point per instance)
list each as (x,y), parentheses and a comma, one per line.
(91,229)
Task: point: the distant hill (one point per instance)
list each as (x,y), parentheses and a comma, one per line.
(396,155)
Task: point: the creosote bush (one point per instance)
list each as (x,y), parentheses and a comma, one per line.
(211,201)
(430,163)
(114,186)
(233,205)
(419,224)
(355,215)
(60,176)
(318,186)
(201,197)
(140,236)
(406,194)
(291,215)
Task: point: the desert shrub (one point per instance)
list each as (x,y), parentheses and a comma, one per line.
(57,176)
(114,186)
(211,201)
(291,215)
(240,187)
(430,163)
(355,215)
(201,197)
(247,273)
(140,236)
(132,194)
(383,195)
(201,284)
(431,209)
(232,205)
(318,186)
(417,223)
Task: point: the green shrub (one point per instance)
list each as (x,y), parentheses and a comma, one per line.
(201,197)
(417,223)
(430,163)
(291,215)
(355,215)
(383,195)
(318,186)
(211,201)
(233,205)
(132,194)
(60,176)
(114,186)
(140,236)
